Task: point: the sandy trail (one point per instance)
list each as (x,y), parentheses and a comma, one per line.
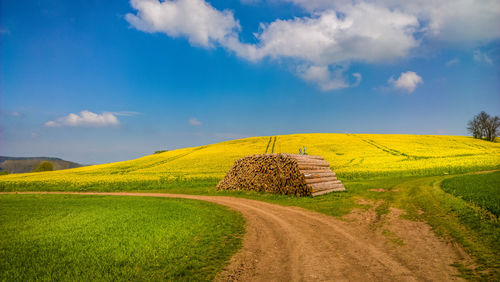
(292,244)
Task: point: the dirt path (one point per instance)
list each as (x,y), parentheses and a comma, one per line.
(292,244)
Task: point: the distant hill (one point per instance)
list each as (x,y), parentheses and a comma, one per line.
(27,164)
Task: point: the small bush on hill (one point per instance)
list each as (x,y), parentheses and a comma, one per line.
(44,166)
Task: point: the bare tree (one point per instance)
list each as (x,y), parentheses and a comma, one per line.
(484,126)
(474,128)
(492,128)
(483,119)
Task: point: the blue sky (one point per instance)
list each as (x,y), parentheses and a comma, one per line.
(102,81)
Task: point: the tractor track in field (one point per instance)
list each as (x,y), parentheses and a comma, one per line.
(285,243)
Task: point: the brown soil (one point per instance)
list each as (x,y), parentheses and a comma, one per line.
(378,190)
(292,244)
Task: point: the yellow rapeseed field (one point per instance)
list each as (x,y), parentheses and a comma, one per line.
(350,155)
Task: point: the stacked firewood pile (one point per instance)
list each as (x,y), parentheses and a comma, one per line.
(275,173)
(300,175)
(319,177)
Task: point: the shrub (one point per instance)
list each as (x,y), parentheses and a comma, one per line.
(44,166)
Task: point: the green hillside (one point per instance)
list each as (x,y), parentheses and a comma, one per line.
(28,164)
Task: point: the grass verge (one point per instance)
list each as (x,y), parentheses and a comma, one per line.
(482,190)
(83,238)
(453,217)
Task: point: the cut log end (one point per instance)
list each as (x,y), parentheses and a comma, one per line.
(318,175)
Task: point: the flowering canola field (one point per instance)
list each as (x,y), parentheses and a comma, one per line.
(351,156)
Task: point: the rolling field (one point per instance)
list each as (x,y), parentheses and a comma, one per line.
(352,156)
(105,238)
(387,171)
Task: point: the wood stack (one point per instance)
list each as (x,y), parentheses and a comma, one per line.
(318,175)
(275,173)
(299,175)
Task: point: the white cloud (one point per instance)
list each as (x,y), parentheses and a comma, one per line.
(326,78)
(194,122)
(358,78)
(454,21)
(332,35)
(85,119)
(453,62)
(481,57)
(197,20)
(365,33)
(407,81)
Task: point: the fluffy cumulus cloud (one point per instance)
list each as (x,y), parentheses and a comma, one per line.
(366,33)
(194,122)
(454,21)
(407,81)
(332,34)
(85,119)
(195,19)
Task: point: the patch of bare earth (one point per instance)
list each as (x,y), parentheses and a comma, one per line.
(292,244)
(412,244)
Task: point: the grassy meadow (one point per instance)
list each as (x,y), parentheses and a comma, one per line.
(482,190)
(430,177)
(106,238)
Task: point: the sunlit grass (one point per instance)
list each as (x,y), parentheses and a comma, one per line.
(482,190)
(89,238)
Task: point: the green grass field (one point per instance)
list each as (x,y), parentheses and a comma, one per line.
(482,190)
(88,238)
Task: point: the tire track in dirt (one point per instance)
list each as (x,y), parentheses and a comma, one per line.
(292,244)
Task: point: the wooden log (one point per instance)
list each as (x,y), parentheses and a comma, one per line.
(318,165)
(308,157)
(305,157)
(311,167)
(319,170)
(314,194)
(321,179)
(325,185)
(315,166)
(311,162)
(319,174)
(323,189)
